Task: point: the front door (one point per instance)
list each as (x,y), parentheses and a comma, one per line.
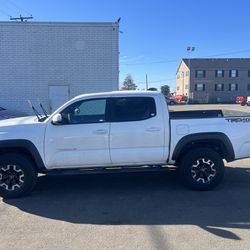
(82,140)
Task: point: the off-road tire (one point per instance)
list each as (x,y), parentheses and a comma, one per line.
(18,176)
(202,169)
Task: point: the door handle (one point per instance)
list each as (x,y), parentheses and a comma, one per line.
(100,131)
(153,129)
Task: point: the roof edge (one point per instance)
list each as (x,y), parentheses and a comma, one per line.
(182,60)
(58,23)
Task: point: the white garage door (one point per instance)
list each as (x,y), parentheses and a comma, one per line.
(58,95)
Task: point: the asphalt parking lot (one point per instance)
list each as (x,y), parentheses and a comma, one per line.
(130,211)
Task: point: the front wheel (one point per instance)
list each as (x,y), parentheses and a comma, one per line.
(17,175)
(202,169)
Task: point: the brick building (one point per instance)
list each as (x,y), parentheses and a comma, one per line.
(55,61)
(218,80)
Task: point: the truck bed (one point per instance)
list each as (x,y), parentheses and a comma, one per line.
(207,113)
(196,114)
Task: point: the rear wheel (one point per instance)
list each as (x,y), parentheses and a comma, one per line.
(17,175)
(202,169)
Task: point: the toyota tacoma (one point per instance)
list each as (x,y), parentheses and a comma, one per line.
(117,132)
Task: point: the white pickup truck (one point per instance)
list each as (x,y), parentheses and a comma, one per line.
(120,131)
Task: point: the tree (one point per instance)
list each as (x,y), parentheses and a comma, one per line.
(128,83)
(165,89)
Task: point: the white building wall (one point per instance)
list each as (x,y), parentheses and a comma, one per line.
(84,56)
(182,80)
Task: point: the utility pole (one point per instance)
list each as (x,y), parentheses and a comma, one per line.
(146,81)
(21,18)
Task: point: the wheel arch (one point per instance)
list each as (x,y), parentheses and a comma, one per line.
(215,140)
(24,147)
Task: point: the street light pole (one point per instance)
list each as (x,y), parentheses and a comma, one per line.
(183,82)
(190,49)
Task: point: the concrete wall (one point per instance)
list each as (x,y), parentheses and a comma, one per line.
(33,55)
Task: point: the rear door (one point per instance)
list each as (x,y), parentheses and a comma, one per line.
(136,131)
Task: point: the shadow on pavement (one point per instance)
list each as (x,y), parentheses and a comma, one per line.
(142,199)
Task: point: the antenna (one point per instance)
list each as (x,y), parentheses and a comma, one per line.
(21,18)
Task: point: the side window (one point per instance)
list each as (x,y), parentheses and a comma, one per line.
(87,111)
(133,109)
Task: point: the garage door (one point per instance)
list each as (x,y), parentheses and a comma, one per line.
(58,95)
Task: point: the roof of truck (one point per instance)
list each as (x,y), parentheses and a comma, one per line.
(119,93)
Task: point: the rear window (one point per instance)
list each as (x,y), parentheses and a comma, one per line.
(133,109)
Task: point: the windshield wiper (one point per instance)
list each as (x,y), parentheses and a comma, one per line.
(38,115)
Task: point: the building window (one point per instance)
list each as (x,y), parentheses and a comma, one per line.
(219,73)
(248,87)
(233,73)
(200,87)
(178,88)
(219,87)
(233,87)
(178,76)
(248,73)
(187,73)
(186,86)
(200,73)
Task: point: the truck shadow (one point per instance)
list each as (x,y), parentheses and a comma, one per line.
(142,199)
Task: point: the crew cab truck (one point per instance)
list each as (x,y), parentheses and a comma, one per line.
(115,131)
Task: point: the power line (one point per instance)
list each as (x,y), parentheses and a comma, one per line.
(158,81)
(230,53)
(163,80)
(6,8)
(169,79)
(4,12)
(177,60)
(18,7)
(154,62)
(9,8)
(19,17)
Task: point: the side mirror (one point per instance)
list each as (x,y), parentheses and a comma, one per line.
(57,119)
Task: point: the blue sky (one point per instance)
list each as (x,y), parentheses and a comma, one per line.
(155,32)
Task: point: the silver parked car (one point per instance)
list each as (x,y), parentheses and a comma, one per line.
(6,113)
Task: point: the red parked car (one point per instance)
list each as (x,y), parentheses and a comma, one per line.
(240,99)
(180,98)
